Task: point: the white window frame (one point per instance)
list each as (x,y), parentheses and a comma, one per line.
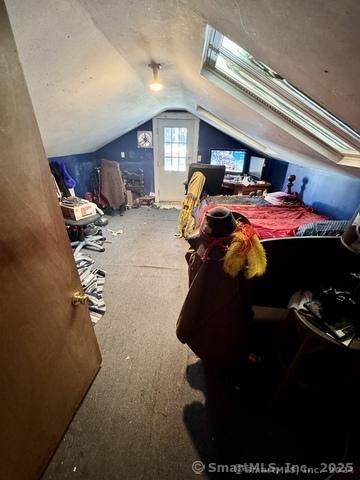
(259,87)
(178,156)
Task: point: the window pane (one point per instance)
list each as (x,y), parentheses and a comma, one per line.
(233,48)
(167,163)
(183,135)
(182,149)
(174,135)
(167,135)
(167,149)
(175,149)
(182,164)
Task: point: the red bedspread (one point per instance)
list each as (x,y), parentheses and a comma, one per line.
(270,221)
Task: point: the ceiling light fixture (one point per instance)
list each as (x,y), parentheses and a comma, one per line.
(156,85)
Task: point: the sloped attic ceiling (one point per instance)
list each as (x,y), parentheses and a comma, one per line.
(85,62)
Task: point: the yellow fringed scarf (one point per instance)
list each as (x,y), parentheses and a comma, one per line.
(245,252)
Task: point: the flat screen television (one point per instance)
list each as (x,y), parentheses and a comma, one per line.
(233,160)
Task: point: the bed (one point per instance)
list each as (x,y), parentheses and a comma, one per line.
(270,221)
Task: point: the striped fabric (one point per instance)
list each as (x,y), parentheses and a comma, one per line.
(328,228)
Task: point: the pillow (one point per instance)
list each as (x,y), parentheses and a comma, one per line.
(283,198)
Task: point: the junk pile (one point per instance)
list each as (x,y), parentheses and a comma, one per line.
(92,281)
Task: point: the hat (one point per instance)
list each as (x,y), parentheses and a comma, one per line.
(221,222)
(229,237)
(218,222)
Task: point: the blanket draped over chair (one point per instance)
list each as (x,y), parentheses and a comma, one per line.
(112,185)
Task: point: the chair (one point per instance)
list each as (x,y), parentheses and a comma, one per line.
(306,354)
(311,359)
(214,176)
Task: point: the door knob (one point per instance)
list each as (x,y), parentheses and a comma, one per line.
(78,297)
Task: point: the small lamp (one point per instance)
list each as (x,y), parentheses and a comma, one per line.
(351,236)
(156,85)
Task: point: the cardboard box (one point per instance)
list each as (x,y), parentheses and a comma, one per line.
(146,200)
(129,198)
(77,212)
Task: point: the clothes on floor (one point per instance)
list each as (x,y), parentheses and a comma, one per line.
(92,281)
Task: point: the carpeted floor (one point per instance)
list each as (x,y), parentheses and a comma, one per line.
(130,424)
(153,409)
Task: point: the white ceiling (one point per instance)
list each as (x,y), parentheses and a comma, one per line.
(85,62)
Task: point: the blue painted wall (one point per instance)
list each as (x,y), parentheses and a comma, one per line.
(81,168)
(134,157)
(331,194)
(212,138)
(209,137)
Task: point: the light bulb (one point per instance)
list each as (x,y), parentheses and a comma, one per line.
(156,86)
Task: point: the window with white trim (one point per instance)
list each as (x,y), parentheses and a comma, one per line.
(175,149)
(234,65)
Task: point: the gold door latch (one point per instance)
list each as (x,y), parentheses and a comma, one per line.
(78,297)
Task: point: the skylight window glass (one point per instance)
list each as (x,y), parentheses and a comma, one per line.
(262,92)
(233,48)
(237,66)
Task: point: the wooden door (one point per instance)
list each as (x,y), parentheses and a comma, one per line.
(48,350)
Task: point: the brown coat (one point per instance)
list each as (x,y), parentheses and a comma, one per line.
(217,311)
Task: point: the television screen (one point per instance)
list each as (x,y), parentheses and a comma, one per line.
(232,159)
(256,167)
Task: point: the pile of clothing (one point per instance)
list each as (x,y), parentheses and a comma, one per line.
(92,281)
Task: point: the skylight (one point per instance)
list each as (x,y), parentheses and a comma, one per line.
(236,66)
